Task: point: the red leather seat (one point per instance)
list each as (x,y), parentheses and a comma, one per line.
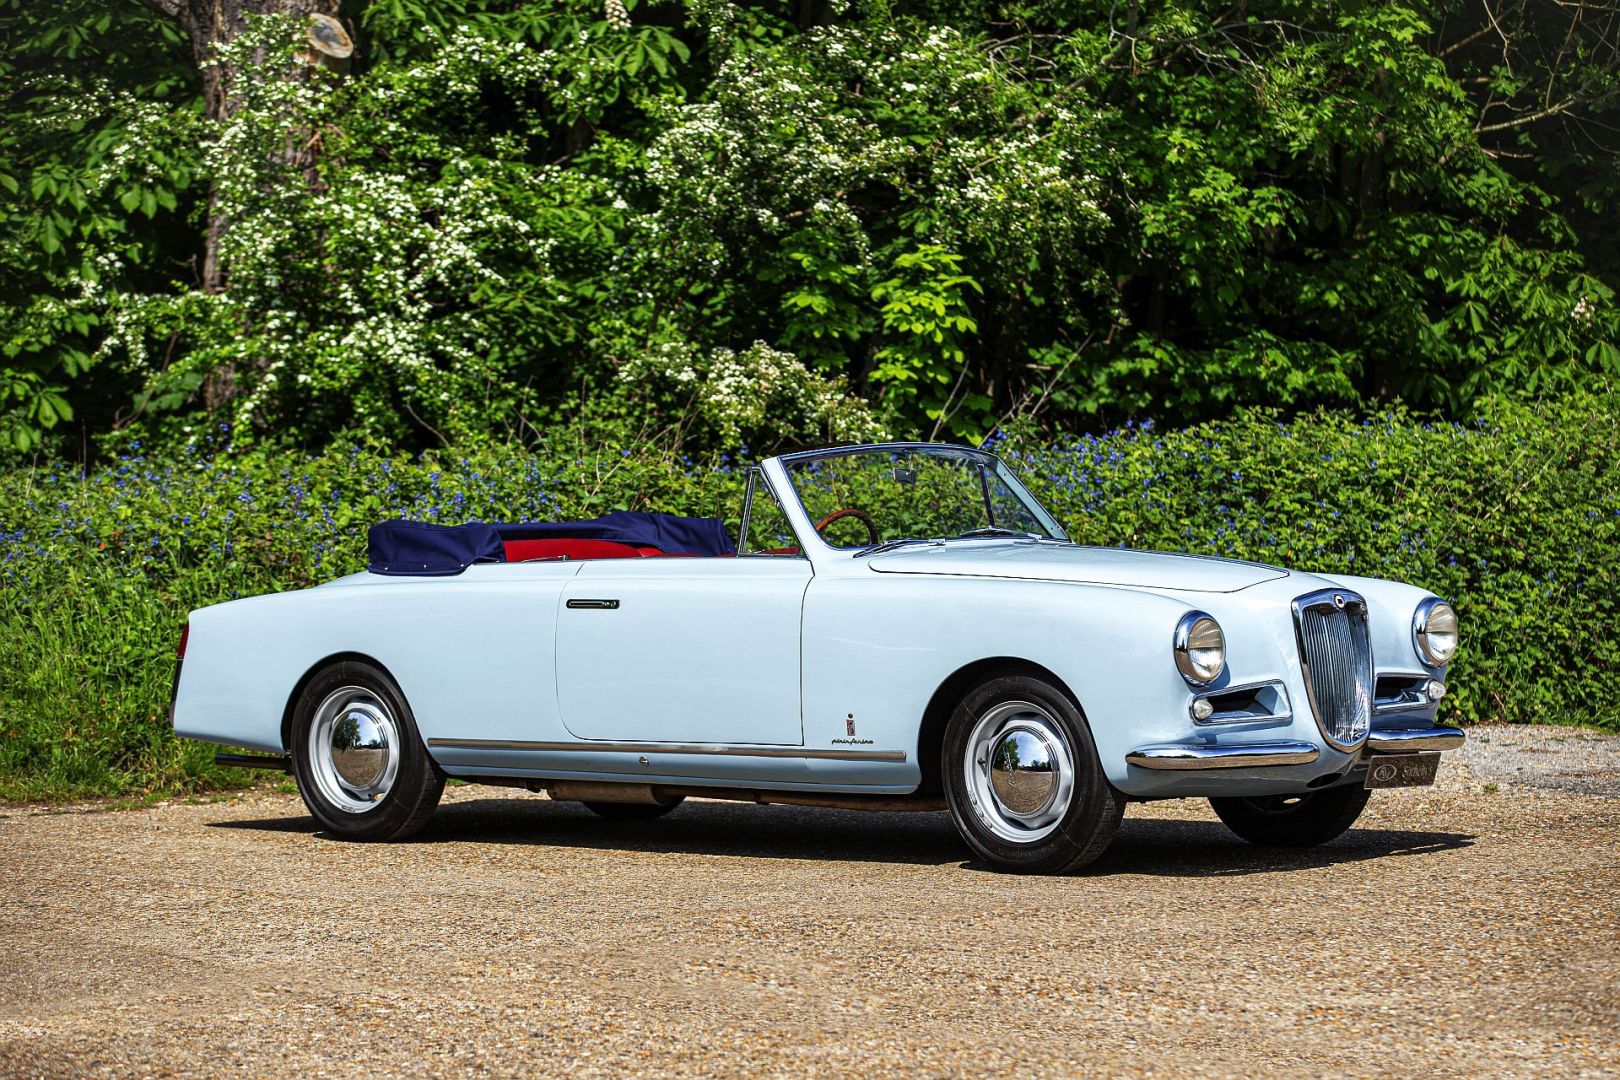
(524,550)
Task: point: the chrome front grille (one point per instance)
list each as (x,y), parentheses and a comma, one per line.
(1337,660)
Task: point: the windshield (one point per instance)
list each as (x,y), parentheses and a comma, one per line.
(862,498)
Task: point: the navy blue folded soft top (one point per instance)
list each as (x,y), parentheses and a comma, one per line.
(420,548)
(417,547)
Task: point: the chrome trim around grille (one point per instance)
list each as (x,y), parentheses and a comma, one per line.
(1241,756)
(1335,658)
(1407,740)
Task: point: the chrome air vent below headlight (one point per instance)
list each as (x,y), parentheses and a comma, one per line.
(1336,657)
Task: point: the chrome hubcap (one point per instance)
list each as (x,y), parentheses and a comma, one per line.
(1021,776)
(1020,771)
(353,749)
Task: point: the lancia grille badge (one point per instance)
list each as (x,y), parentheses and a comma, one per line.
(1338,600)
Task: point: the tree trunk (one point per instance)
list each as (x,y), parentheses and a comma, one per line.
(210,24)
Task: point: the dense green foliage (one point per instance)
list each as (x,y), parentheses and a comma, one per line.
(1515,516)
(507,214)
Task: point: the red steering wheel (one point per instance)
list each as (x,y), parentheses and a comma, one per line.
(859,515)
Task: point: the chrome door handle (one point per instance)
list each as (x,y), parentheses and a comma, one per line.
(600,605)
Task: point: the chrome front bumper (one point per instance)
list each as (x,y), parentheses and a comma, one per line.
(1410,740)
(1256,755)
(1245,756)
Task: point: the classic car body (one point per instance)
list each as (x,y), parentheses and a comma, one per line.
(834,670)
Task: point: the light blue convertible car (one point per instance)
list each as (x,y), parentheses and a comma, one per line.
(894,627)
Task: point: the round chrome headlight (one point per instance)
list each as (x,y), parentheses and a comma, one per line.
(1200,648)
(1434,632)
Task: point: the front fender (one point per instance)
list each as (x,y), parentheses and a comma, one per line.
(878,646)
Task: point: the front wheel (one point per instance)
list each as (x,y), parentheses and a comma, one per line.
(359,762)
(1303,820)
(1022,778)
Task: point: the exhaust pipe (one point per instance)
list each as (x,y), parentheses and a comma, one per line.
(595,791)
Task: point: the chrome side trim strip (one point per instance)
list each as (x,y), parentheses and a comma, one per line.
(670,748)
(1409,739)
(1243,756)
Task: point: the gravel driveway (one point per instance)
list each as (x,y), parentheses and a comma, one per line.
(1470,928)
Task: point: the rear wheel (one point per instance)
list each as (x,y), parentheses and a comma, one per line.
(359,762)
(1022,779)
(619,811)
(1303,820)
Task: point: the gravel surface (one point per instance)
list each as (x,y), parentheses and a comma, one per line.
(1548,757)
(1466,929)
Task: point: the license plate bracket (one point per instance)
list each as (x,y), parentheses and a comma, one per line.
(1402,770)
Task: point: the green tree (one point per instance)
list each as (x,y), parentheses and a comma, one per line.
(962,210)
(84,81)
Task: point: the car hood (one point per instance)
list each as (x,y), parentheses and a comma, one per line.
(1072,562)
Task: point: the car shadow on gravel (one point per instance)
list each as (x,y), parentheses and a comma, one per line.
(1151,846)
(1163,847)
(739,830)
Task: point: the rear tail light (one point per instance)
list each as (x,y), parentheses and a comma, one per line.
(185,635)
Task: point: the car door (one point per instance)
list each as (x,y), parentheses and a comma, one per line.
(683,650)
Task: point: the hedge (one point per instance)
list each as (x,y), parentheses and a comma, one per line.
(1513,517)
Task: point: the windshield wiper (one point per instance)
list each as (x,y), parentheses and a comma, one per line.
(890,545)
(996,530)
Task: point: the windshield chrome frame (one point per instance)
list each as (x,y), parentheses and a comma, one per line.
(775,471)
(761,484)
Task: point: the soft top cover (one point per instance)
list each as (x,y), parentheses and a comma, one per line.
(421,548)
(418,547)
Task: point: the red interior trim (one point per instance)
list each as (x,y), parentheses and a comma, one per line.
(524,550)
(568,548)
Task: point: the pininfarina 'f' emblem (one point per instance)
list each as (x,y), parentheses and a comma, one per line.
(849,724)
(1338,600)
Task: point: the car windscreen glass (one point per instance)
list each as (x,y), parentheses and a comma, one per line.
(859,499)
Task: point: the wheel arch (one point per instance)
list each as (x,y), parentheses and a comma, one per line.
(931,732)
(314,670)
